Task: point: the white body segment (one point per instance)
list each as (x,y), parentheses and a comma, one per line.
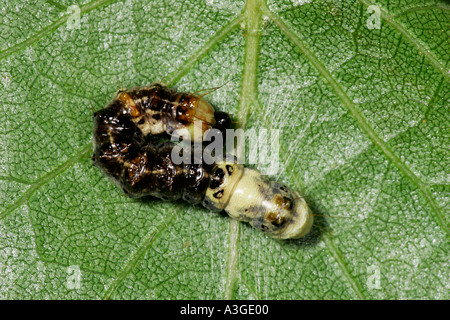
(246,195)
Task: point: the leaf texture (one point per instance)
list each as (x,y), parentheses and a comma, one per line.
(364,121)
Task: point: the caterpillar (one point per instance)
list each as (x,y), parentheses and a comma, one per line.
(126,149)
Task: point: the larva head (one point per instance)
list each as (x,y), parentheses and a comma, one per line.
(149,122)
(270,207)
(194,116)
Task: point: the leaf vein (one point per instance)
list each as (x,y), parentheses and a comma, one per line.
(47,178)
(442,7)
(253,16)
(136,256)
(362,122)
(52,27)
(186,65)
(409,36)
(14,179)
(343,266)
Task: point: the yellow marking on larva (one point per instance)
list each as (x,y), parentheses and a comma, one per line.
(129,104)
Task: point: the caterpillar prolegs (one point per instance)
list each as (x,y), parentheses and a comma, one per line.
(126,150)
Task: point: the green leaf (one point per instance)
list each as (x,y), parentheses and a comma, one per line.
(364,121)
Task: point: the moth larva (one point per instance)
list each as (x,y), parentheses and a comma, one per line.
(124,147)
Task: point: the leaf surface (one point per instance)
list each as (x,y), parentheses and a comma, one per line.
(363,115)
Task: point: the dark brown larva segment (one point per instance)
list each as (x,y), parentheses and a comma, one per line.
(124,144)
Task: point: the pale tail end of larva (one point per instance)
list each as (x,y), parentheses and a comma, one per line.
(247,195)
